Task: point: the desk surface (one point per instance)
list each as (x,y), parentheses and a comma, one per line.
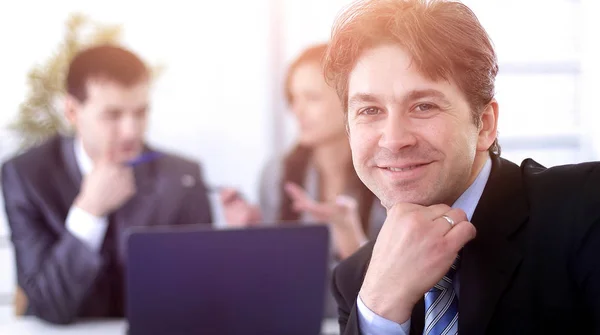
(32,326)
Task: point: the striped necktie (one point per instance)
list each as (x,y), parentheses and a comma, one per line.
(441,306)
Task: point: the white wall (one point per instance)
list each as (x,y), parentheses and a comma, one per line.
(590,63)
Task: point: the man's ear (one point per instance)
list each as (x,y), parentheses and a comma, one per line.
(488,130)
(72,107)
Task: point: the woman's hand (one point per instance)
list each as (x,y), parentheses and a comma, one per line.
(342,216)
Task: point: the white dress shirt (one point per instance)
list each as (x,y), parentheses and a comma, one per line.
(370,323)
(85,226)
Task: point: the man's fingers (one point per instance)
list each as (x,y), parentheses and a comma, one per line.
(454,215)
(436,211)
(403,208)
(460,234)
(107,152)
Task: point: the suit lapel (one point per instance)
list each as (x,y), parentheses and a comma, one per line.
(489,261)
(417,322)
(141,208)
(67,148)
(68,177)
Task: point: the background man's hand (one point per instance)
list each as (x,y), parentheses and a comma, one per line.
(107,187)
(237,211)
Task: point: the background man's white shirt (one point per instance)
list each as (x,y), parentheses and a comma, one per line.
(88,228)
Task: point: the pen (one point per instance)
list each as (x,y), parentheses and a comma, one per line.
(144,158)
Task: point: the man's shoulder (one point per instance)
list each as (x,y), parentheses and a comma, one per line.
(561,173)
(565,198)
(563,180)
(38,158)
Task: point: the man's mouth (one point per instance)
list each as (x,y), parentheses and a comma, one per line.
(404,168)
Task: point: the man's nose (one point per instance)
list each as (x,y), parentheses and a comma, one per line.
(397,133)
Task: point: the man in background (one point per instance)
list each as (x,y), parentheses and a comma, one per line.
(70,200)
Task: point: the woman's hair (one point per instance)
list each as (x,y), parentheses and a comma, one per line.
(296,162)
(313,54)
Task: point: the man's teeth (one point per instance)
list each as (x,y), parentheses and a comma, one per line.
(403,169)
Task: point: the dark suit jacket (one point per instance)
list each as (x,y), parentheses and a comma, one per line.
(534,267)
(63,278)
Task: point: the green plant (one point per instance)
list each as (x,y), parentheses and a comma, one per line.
(40,116)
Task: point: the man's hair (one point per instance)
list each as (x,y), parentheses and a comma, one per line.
(444,38)
(106,62)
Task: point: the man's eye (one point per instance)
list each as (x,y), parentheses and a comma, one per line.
(370,111)
(425,107)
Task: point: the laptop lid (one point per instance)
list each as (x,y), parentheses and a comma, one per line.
(267,280)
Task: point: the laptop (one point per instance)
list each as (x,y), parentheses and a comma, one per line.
(190,280)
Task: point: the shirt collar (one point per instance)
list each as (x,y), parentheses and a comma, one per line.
(469,199)
(84,162)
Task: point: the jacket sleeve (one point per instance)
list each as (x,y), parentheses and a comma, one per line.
(347,310)
(585,263)
(56,272)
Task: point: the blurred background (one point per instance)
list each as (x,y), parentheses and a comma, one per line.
(219,95)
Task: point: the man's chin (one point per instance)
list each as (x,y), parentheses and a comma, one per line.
(390,198)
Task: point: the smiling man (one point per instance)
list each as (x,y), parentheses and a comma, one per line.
(472,243)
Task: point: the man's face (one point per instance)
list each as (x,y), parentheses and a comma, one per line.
(112,119)
(413,139)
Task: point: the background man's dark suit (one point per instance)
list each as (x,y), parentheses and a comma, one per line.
(534,267)
(61,276)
